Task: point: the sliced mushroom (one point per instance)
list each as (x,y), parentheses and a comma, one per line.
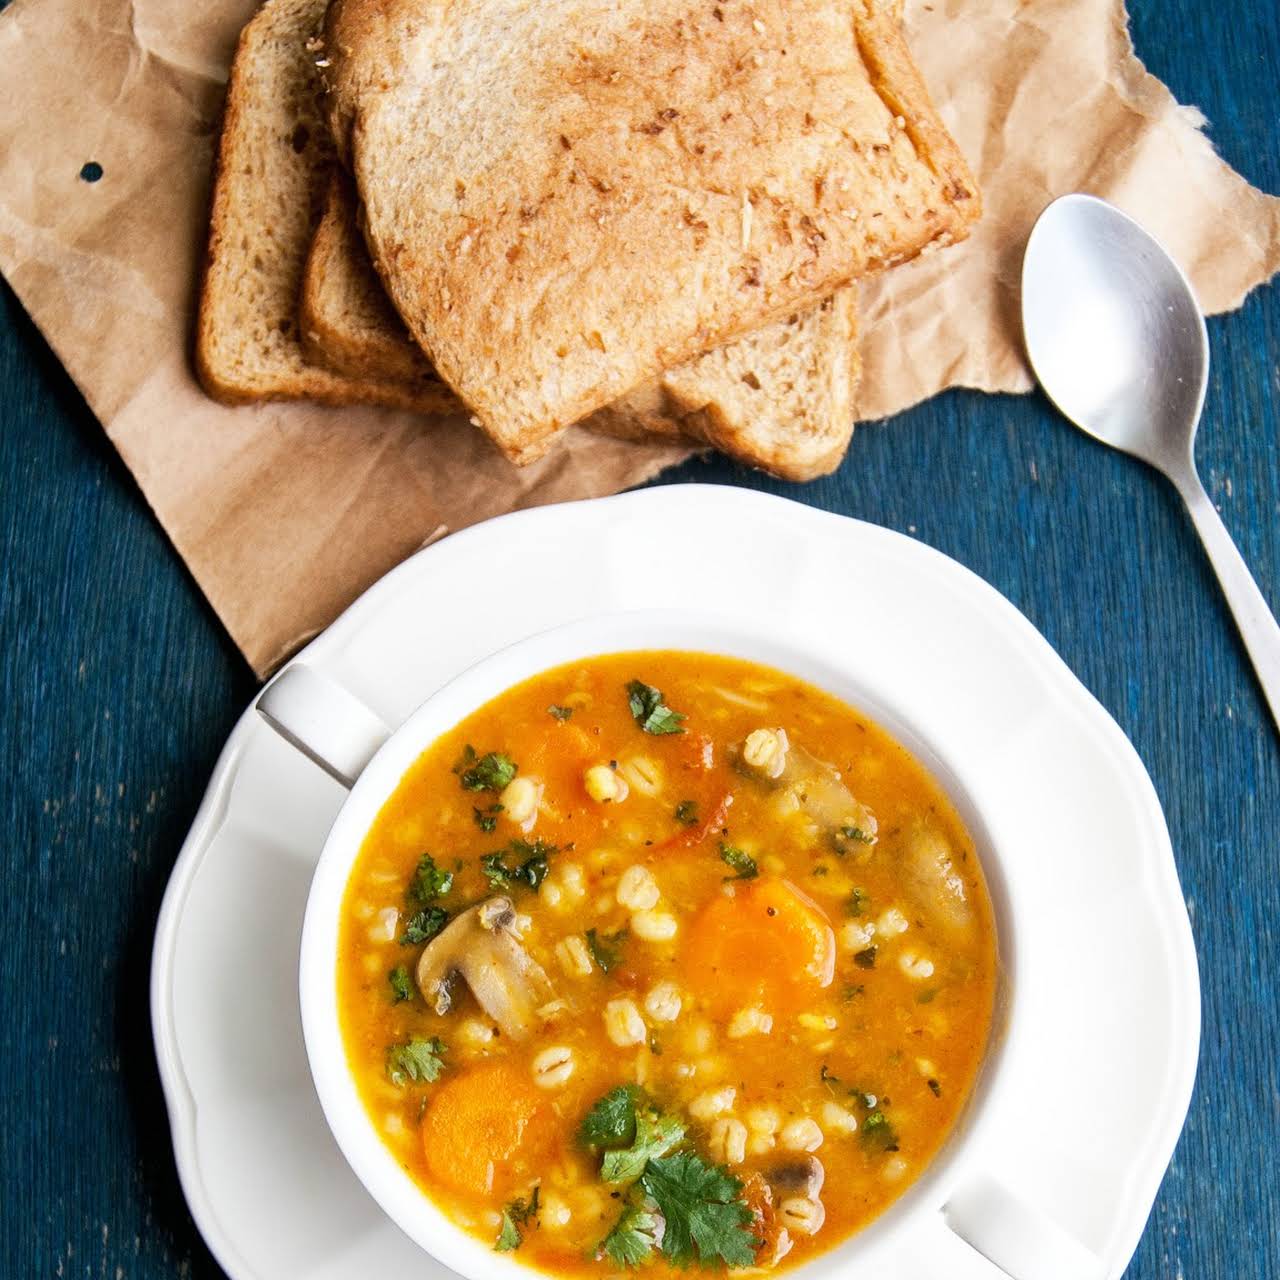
(801,1177)
(936,889)
(766,1226)
(817,790)
(481,948)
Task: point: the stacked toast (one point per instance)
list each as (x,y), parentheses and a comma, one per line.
(644,218)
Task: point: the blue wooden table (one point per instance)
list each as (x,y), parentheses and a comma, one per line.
(118,686)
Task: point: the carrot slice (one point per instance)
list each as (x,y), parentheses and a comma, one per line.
(769,944)
(480,1122)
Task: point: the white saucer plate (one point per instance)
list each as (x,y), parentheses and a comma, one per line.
(1098,1095)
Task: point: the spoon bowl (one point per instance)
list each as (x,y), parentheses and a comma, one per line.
(1115,336)
(1113,330)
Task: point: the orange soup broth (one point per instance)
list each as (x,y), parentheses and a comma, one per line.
(870,1036)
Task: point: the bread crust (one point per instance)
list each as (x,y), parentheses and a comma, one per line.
(564,199)
(785,404)
(346,319)
(780,398)
(274,142)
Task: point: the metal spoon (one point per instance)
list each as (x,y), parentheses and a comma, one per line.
(1117,341)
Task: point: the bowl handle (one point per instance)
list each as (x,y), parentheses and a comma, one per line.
(321,719)
(1024,1242)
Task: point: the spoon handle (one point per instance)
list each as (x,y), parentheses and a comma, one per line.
(1258,627)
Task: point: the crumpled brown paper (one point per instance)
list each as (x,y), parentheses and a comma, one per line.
(284,513)
(1046,97)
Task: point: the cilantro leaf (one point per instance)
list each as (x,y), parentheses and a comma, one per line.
(634,1237)
(878,1134)
(842,837)
(649,711)
(687,813)
(743,864)
(417,1059)
(515,1216)
(857,903)
(631,1130)
(612,1121)
(523,1211)
(559,713)
(532,871)
(606,951)
(490,772)
(655,1134)
(424,925)
(509,1237)
(866,958)
(705,1219)
(401,984)
(486,819)
(429,881)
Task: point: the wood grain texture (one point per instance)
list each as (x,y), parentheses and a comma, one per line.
(119,687)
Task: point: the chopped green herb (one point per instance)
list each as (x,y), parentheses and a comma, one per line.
(417,1059)
(878,1134)
(833,1082)
(705,1220)
(487,819)
(655,1134)
(687,813)
(531,871)
(401,984)
(633,1238)
(845,836)
(743,864)
(857,903)
(649,711)
(927,996)
(866,958)
(429,881)
(606,951)
(851,991)
(516,1215)
(631,1130)
(559,713)
(490,772)
(523,1211)
(655,1046)
(612,1121)
(424,926)
(934,1088)
(509,1237)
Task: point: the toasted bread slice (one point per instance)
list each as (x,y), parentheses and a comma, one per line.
(779,398)
(275,150)
(348,323)
(564,199)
